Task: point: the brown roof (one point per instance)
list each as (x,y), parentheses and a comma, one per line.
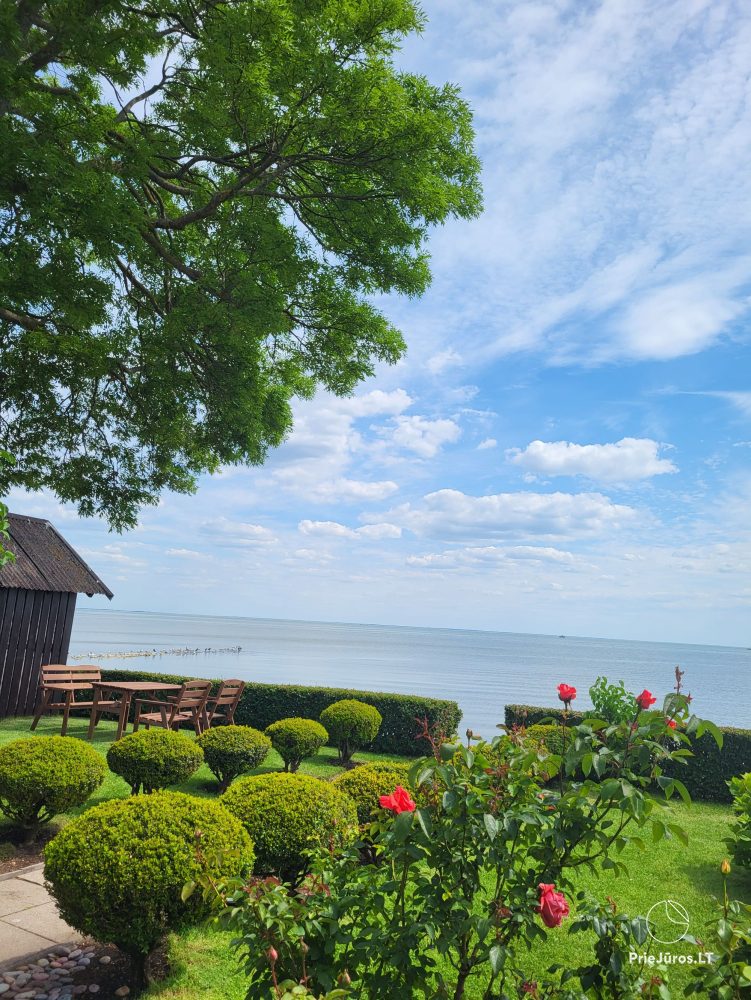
(45,561)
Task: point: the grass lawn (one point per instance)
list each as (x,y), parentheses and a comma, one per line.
(203,965)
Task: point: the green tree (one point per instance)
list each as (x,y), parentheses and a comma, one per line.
(5,555)
(198,202)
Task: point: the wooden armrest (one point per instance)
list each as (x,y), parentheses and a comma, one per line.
(152,701)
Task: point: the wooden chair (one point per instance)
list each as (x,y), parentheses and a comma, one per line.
(227,699)
(188,706)
(64,679)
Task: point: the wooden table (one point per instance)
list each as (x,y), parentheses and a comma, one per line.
(126,689)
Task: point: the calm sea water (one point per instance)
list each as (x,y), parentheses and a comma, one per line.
(483,671)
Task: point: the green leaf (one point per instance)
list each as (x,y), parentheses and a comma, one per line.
(497,956)
(426,823)
(491,825)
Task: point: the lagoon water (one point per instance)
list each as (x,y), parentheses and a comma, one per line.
(483,671)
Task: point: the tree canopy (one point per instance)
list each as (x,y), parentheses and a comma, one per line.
(198,203)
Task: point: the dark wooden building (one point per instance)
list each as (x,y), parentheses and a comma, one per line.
(37,602)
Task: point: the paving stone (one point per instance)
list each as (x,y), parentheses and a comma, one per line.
(17,942)
(36,876)
(15,895)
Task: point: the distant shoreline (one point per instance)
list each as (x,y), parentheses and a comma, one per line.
(413,628)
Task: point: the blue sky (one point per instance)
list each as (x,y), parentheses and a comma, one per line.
(566,447)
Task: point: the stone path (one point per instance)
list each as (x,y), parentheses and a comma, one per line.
(29,921)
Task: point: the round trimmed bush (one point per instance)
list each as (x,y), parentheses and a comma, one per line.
(367,783)
(287,815)
(154,758)
(351,724)
(231,750)
(117,872)
(296,739)
(46,775)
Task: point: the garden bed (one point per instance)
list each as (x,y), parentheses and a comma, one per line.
(15,855)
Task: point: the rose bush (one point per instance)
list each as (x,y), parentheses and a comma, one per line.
(478,874)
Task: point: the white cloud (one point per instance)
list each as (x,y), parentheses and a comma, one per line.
(492,555)
(440,362)
(740,400)
(186,554)
(614,138)
(374,403)
(333,529)
(622,461)
(676,320)
(486,444)
(453,514)
(378,531)
(225,532)
(317,461)
(422,436)
(344,490)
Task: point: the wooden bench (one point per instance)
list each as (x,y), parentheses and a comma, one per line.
(61,678)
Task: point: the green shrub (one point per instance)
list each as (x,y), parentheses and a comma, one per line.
(351,724)
(367,783)
(232,750)
(262,704)
(46,775)
(118,871)
(296,739)
(612,702)
(154,758)
(287,815)
(549,738)
(740,840)
(706,774)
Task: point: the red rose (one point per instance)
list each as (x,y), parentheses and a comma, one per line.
(645,699)
(553,906)
(566,693)
(670,723)
(398,802)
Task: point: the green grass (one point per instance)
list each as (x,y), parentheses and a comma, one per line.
(203,964)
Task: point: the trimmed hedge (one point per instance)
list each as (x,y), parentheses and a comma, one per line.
(262,704)
(705,775)
(533,715)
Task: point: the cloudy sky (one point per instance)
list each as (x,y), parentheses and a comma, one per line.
(566,447)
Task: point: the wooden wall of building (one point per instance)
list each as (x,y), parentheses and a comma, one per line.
(35,627)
